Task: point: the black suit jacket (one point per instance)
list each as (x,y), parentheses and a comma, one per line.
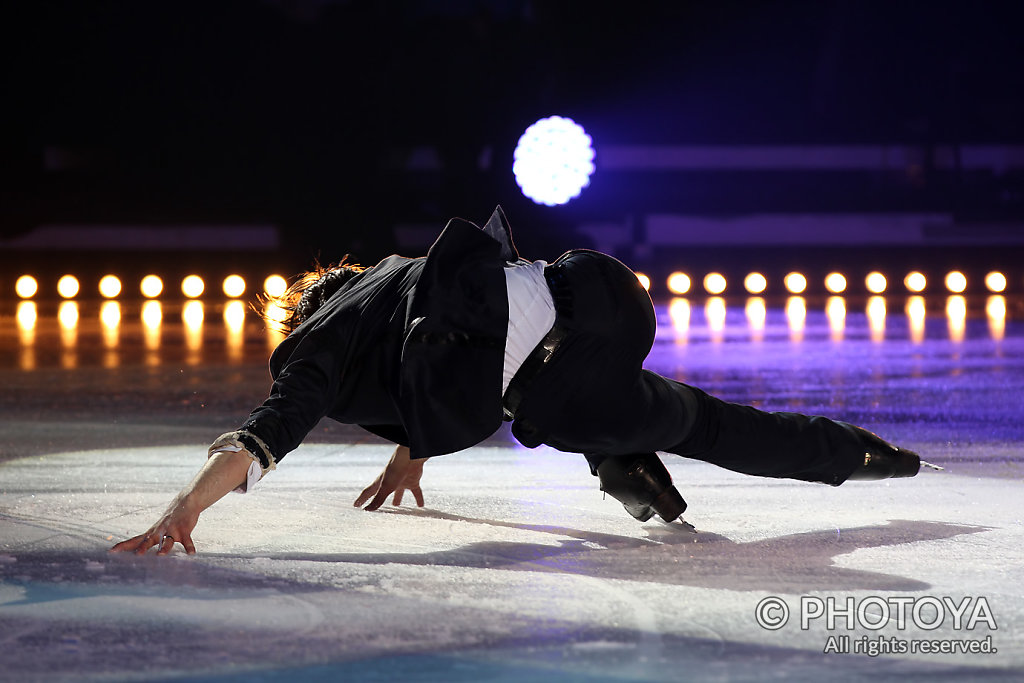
(411,349)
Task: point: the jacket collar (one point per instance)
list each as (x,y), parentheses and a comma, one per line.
(497,227)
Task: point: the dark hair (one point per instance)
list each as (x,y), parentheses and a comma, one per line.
(305,295)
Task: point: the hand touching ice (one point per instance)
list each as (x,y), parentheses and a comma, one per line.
(222,473)
(175,526)
(401,474)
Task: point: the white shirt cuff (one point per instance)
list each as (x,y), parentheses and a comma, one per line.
(252,475)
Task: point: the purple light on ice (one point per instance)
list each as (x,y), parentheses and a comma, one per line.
(553,161)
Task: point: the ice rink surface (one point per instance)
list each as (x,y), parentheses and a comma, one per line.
(517,568)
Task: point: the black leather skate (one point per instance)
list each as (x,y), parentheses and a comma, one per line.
(643,486)
(882,460)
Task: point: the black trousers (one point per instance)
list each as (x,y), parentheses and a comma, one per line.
(595,397)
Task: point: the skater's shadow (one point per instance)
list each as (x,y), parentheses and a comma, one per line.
(672,554)
(796,563)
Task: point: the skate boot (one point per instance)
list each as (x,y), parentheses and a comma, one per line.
(882,460)
(643,486)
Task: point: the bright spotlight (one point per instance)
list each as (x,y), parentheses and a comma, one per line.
(795,283)
(68,287)
(192,286)
(875,282)
(275,285)
(835,283)
(714,283)
(151,286)
(234,286)
(995,282)
(679,283)
(26,286)
(110,286)
(553,161)
(956,281)
(915,282)
(645,281)
(755,283)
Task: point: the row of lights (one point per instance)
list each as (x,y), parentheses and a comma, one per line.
(796,283)
(151,286)
(756,311)
(234,286)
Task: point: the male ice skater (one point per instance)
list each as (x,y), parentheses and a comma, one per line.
(433,353)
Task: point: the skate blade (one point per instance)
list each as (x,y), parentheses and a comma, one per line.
(932,467)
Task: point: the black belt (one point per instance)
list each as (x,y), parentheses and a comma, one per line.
(545,350)
(529,370)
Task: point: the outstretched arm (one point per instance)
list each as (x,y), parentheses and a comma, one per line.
(222,473)
(400,474)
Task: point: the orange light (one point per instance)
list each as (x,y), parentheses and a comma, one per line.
(714,283)
(274,313)
(995,282)
(755,283)
(110,286)
(26,286)
(679,283)
(715,312)
(916,314)
(151,286)
(876,318)
(796,314)
(875,282)
(915,282)
(192,314)
(645,281)
(275,285)
(835,309)
(234,320)
(995,307)
(27,316)
(234,315)
(67,315)
(152,314)
(956,281)
(679,313)
(234,286)
(192,286)
(995,310)
(956,314)
(835,283)
(756,312)
(68,287)
(795,283)
(110,314)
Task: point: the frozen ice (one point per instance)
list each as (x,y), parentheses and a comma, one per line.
(518,568)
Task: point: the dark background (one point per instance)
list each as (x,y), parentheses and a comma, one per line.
(304,114)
